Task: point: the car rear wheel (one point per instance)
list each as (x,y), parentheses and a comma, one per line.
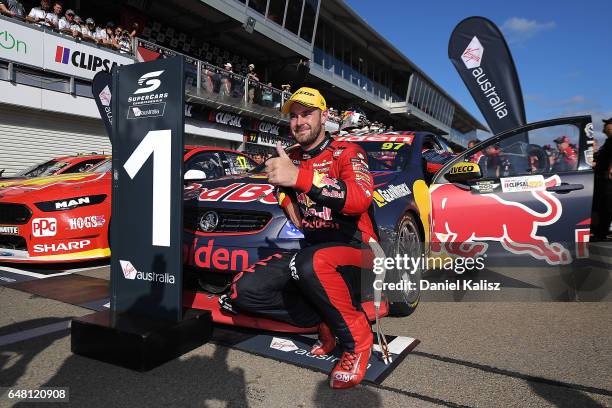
(410,243)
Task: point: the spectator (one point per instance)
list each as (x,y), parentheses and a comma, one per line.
(226,82)
(565,157)
(258,158)
(125,43)
(88,30)
(253,78)
(475,158)
(602,198)
(266,95)
(286,91)
(76,27)
(38,15)
(66,22)
(492,162)
(134,31)
(100,35)
(53,18)
(109,41)
(5,10)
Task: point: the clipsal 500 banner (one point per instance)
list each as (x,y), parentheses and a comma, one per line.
(30,45)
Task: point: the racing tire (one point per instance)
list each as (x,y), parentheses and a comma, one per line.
(409,241)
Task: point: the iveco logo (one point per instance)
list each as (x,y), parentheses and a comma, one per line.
(149,81)
(209,221)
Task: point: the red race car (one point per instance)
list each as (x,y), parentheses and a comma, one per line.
(65,218)
(60,165)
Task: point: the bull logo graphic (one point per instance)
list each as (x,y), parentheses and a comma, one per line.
(511,223)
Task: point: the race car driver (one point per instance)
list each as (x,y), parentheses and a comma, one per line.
(329,182)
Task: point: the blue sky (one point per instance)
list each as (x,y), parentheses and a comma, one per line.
(562,49)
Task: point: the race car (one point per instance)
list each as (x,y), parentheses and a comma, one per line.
(531,213)
(66,218)
(59,165)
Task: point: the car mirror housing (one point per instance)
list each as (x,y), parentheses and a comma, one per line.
(463,172)
(194,175)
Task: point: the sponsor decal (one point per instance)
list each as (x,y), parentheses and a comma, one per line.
(462,168)
(378,138)
(472,56)
(149,82)
(283,344)
(338,152)
(62,246)
(131,273)
(523,183)
(70,203)
(151,110)
(293,269)
(225,118)
(266,127)
(485,187)
(223,259)
(8,42)
(91,221)
(511,223)
(384,196)
(582,237)
(332,193)
(80,59)
(9,230)
(249,193)
(44,227)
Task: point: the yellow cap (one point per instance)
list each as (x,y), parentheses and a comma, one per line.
(306,96)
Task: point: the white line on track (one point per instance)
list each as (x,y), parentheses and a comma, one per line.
(42,275)
(32,333)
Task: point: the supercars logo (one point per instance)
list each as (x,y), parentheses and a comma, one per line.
(148,82)
(472,56)
(44,227)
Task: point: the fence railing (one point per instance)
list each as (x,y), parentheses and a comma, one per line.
(204,79)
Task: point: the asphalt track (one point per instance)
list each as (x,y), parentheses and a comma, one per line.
(516,348)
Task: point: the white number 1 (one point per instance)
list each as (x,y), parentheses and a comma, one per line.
(158,143)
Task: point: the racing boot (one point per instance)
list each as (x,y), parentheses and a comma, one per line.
(353,364)
(326,342)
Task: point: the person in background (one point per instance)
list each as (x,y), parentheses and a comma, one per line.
(253,78)
(566,157)
(225,79)
(76,27)
(125,43)
(476,157)
(5,9)
(88,30)
(602,194)
(38,15)
(258,158)
(100,35)
(52,18)
(266,95)
(134,31)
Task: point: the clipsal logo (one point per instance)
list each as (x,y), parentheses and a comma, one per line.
(148,82)
(226,119)
(62,246)
(472,56)
(130,272)
(44,227)
(79,59)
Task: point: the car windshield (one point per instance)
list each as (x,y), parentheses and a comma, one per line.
(382,156)
(43,169)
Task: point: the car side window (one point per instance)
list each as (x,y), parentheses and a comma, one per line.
(551,149)
(83,166)
(238,163)
(208,162)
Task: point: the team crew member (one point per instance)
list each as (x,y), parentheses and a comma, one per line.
(317,285)
(602,195)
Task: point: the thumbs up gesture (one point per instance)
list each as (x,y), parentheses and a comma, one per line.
(280,170)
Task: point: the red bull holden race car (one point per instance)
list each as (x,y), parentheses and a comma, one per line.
(66,218)
(516,202)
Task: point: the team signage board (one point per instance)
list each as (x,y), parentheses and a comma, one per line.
(481,56)
(146,232)
(20,43)
(30,45)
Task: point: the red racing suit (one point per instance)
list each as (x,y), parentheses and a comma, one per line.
(321,281)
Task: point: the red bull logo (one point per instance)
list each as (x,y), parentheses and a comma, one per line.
(511,223)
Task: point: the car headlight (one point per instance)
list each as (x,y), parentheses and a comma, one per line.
(290,231)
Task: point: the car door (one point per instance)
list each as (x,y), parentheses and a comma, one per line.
(532,201)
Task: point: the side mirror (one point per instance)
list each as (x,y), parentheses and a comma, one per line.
(194,175)
(463,172)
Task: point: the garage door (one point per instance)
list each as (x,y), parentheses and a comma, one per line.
(30,136)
